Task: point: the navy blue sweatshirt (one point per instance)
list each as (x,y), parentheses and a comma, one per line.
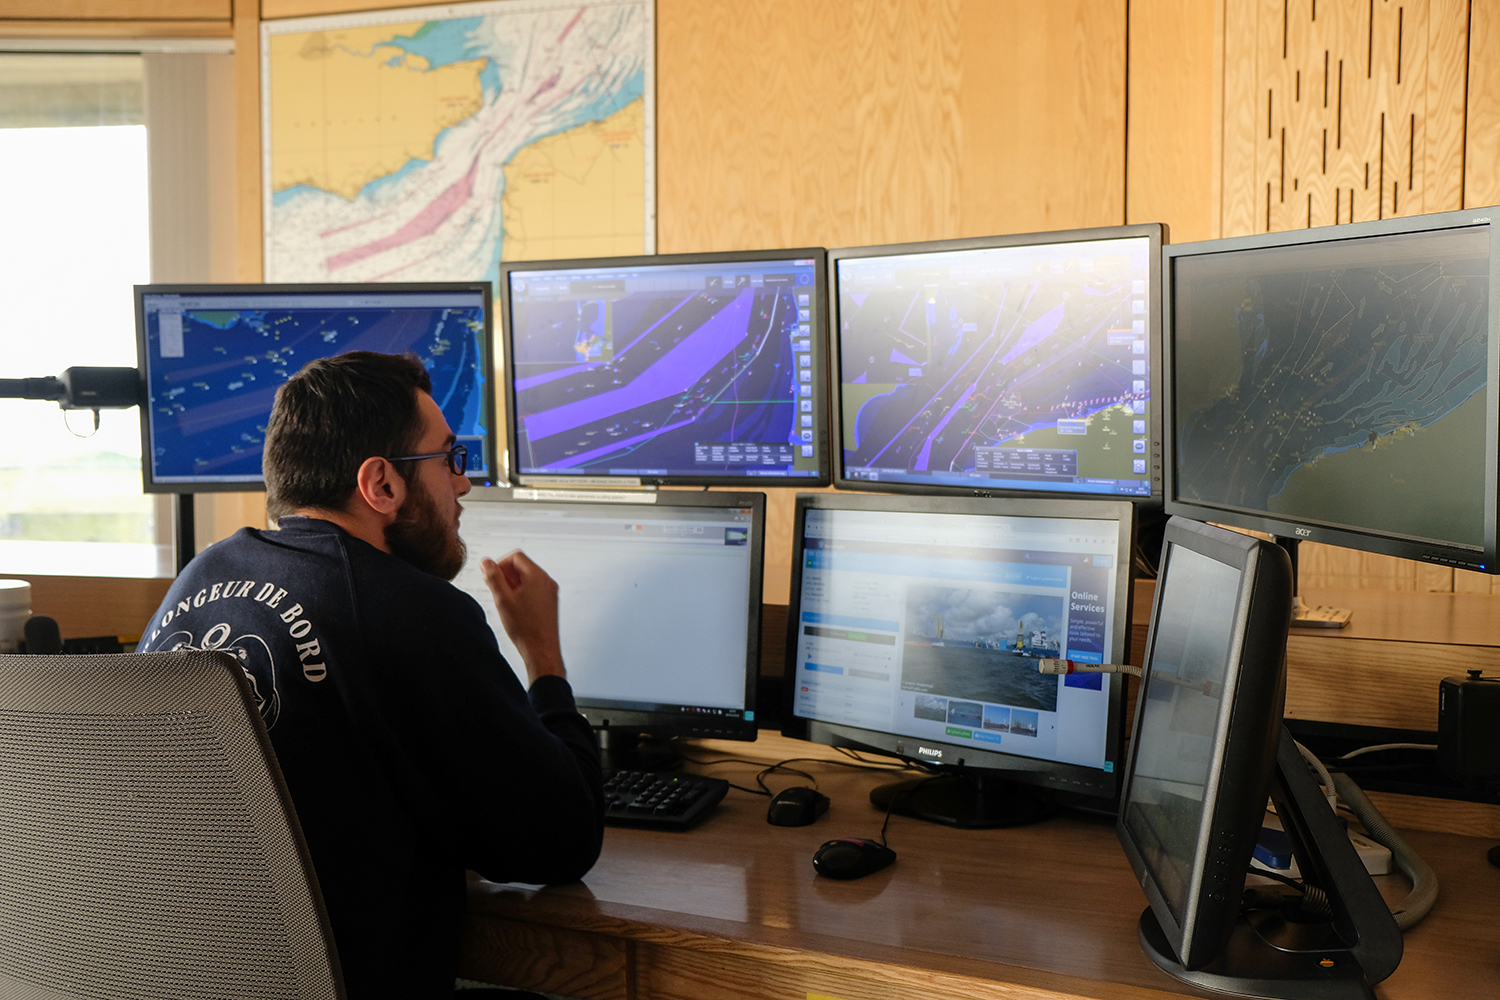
(411,751)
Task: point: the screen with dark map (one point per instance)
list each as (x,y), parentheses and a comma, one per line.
(1341,384)
(1023,367)
(214,361)
(670,369)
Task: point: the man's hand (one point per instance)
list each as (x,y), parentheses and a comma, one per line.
(526,598)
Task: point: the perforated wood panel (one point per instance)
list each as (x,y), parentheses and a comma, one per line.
(1341,110)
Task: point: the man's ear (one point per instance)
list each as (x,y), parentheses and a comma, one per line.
(380,488)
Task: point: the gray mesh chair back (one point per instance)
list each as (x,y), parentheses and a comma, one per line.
(148,847)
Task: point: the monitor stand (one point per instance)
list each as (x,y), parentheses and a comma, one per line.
(620,750)
(1307,615)
(965,798)
(1286,954)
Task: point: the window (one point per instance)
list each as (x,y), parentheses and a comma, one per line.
(76,219)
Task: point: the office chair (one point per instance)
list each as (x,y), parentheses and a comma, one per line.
(148,846)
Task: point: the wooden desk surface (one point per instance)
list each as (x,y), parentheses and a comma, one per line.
(733,909)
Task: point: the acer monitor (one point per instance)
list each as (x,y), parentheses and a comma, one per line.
(915,629)
(1339,385)
(1207,750)
(695,369)
(213,356)
(659,604)
(1008,365)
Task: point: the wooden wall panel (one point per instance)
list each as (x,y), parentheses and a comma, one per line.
(1043,104)
(86,606)
(863,122)
(1359,110)
(1174,143)
(1482,135)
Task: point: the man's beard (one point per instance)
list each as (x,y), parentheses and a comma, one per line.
(420,536)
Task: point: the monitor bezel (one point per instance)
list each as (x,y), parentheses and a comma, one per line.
(1155,232)
(1049,774)
(820,352)
(487,350)
(610,718)
(1307,529)
(1245,741)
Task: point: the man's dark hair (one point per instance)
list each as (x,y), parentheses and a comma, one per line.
(331,416)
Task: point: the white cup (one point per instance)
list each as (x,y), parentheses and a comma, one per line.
(15,608)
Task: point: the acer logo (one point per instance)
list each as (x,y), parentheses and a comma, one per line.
(928,752)
(1304,532)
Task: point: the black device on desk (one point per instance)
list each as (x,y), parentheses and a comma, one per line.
(916,627)
(1208,746)
(659,601)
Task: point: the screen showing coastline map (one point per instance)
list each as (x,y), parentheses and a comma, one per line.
(213,357)
(701,368)
(1016,363)
(1336,382)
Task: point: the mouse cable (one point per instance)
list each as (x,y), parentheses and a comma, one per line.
(897,797)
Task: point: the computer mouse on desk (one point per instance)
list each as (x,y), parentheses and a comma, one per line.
(798,806)
(851,857)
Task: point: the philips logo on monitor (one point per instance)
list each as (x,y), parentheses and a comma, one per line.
(929,752)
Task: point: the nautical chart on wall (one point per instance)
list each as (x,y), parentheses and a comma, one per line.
(430,143)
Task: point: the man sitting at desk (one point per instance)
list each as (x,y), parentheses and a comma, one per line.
(410,749)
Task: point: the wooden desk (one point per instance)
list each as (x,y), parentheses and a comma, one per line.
(733,910)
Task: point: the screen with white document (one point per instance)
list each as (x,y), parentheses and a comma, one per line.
(659,599)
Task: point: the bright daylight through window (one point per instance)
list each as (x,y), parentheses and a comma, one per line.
(76,237)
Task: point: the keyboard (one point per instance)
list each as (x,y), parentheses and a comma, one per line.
(664,799)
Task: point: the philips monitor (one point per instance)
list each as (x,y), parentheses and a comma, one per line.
(1339,385)
(1011,364)
(686,369)
(916,628)
(213,356)
(1207,749)
(659,597)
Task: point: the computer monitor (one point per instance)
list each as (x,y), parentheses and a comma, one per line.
(1339,385)
(677,369)
(213,356)
(916,627)
(1207,749)
(659,602)
(1014,365)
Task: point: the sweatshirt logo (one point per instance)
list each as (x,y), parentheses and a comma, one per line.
(196,622)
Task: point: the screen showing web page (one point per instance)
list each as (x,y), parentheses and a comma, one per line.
(931,625)
(652,601)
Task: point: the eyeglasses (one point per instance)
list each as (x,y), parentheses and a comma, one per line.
(457,456)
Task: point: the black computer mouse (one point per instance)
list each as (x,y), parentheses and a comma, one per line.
(796,807)
(851,857)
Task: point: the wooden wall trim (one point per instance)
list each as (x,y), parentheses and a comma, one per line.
(247,173)
(116,10)
(114,29)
